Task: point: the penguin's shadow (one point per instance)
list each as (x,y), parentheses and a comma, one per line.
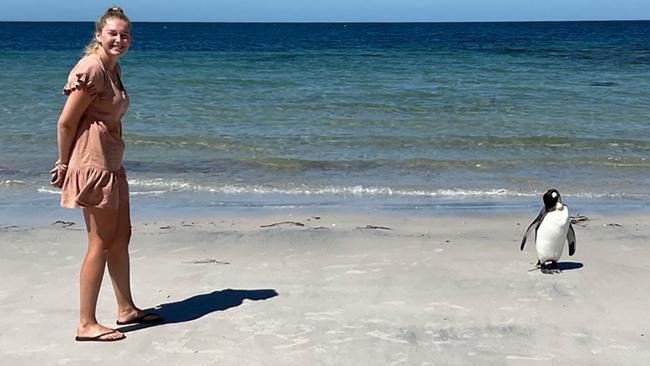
(198,306)
(568,266)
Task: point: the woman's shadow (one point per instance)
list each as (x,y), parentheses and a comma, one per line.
(197,306)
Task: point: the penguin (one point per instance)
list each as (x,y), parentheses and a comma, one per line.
(552,229)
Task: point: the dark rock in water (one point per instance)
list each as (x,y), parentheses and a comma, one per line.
(603,83)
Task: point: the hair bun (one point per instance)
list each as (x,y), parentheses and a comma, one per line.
(115,9)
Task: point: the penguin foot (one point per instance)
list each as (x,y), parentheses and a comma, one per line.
(551,268)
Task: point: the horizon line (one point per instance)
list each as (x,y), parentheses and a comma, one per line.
(340,22)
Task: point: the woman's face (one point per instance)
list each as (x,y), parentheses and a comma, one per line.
(115,37)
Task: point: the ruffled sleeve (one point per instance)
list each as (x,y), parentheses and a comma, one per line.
(87,75)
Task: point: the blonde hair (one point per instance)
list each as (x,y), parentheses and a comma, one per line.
(112,12)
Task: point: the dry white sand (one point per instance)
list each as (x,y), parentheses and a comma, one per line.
(429,291)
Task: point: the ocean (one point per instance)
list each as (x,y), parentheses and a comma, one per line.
(434,117)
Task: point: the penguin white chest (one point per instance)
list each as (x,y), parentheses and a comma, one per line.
(551,234)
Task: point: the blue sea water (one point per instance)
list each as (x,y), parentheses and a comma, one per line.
(399,116)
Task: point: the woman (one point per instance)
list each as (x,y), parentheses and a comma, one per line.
(89,171)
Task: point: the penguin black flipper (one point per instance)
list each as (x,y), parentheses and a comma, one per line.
(571,238)
(536,222)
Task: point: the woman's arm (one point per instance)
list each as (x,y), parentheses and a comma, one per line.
(77,103)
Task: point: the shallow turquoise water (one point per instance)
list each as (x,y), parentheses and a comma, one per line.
(400,115)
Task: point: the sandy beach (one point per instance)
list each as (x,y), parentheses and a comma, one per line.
(337,289)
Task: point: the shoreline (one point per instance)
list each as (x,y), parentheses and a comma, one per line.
(42,210)
(344,289)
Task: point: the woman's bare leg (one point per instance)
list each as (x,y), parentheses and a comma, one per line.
(119,266)
(101,226)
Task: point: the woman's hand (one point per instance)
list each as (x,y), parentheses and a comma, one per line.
(58,174)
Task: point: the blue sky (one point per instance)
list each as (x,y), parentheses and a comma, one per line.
(331,10)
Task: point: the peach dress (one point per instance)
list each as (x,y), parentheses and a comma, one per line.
(95,176)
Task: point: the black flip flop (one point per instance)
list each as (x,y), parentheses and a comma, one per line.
(146,318)
(98,338)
